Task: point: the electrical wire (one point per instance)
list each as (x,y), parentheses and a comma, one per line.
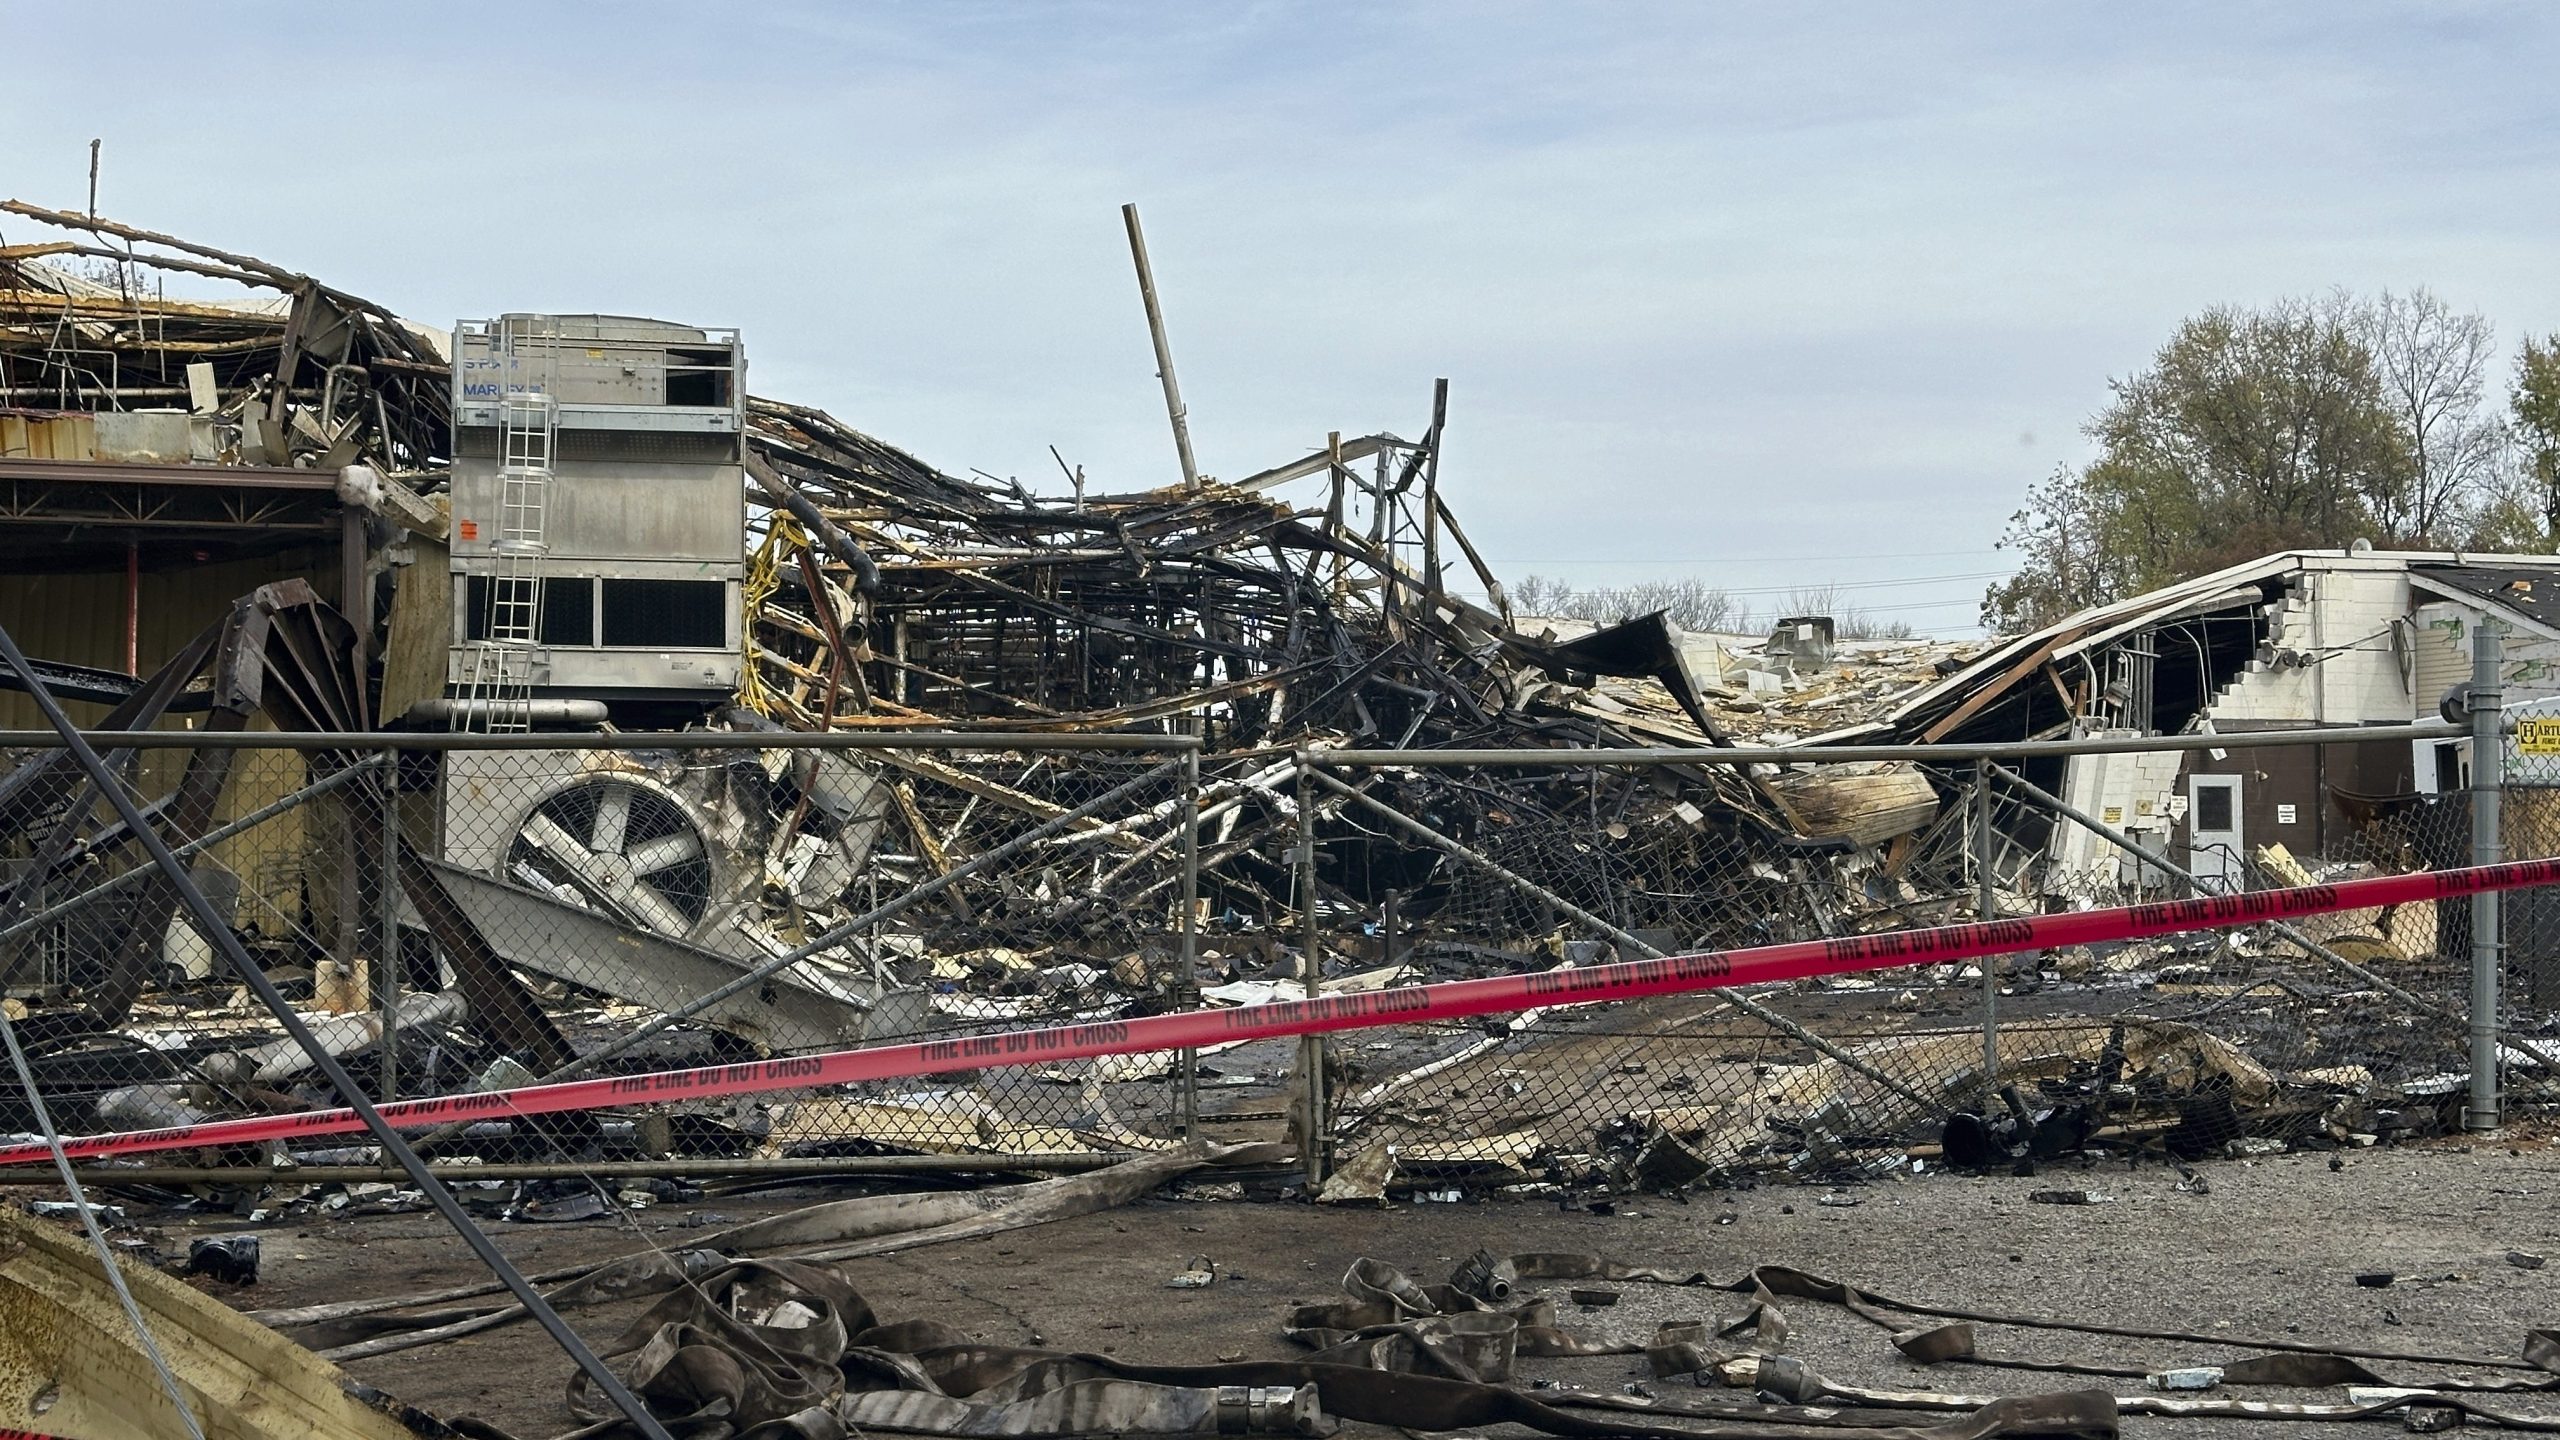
(1760,559)
(97,1236)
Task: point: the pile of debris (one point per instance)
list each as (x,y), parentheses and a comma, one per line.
(1333,601)
(97,363)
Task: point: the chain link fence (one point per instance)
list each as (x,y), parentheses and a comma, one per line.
(461,918)
(2347,1030)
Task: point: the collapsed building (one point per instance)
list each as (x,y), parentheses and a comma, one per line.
(292,509)
(2300,640)
(573,522)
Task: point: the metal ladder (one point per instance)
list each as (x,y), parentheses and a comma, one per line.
(498,688)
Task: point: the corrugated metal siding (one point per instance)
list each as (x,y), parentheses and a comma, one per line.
(79,619)
(48,437)
(2442,640)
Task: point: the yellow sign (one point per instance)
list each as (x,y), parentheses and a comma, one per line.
(2538,734)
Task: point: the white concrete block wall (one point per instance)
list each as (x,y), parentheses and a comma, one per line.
(2130,791)
(2345,626)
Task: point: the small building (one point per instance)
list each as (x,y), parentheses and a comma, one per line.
(2297,640)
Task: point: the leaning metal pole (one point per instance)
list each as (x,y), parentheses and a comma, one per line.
(2488,776)
(219,935)
(1164,350)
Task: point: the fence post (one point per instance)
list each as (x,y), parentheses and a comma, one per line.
(1987,908)
(1189,1062)
(386,981)
(2488,775)
(1311,970)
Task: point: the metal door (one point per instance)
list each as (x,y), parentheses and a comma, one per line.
(2213,831)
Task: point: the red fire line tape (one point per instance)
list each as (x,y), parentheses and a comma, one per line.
(1450,1000)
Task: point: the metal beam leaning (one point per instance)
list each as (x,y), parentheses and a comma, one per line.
(1164,351)
(639,965)
(1744,1003)
(2290,931)
(987,789)
(500,1005)
(220,936)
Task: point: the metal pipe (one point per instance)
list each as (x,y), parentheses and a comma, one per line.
(208,840)
(1986,909)
(2488,847)
(1164,351)
(999,740)
(956,740)
(1431,496)
(1067,1162)
(210,924)
(441,710)
(2285,928)
(1626,938)
(1833,754)
(866,571)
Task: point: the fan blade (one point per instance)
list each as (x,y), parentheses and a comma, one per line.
(651,856)
(613,818)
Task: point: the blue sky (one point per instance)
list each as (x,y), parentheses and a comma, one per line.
(1716,287)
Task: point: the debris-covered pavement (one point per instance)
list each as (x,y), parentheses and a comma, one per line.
(2270,1254)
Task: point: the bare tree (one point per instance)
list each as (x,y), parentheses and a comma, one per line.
(1694,605)
(1691,604)
(2065,563)
(1848,621)
(1540,595)
(2433,364)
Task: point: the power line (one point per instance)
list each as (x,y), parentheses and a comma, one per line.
(1812,586)
(1509,561)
